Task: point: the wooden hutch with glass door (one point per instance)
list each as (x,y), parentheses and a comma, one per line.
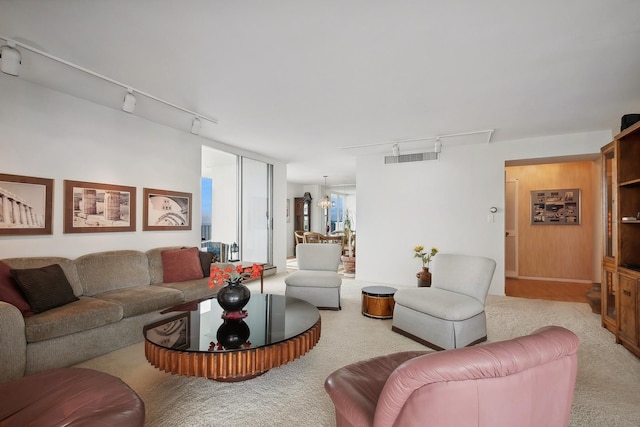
(609,268)
(621,261)
(302,216)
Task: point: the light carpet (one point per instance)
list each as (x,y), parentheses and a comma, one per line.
(607,389)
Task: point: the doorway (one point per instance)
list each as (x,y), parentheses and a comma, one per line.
(554,262)
(237,205)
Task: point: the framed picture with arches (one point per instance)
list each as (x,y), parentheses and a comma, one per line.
(166,210)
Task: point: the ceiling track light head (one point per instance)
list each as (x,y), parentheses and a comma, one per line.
(437,146)
(10,59)
(195,126)
(129,104)
(396,149)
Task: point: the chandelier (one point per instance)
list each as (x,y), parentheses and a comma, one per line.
(325,202)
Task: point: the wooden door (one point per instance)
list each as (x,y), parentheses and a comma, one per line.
(511,229)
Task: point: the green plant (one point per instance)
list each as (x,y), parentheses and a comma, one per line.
(347,220)
(424,256)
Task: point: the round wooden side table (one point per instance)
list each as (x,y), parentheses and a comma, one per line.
(378,302)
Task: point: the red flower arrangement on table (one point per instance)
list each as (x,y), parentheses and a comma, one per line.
(233,276)
(234,295)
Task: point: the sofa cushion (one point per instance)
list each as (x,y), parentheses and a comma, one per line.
(10,291)
(44,287)
(179,265)
(83,314)
(155,262)
(192,289)
(143,299)
(314,279)
(108,271)
(439,303)
(206,258)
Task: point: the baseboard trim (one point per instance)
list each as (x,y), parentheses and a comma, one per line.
(551,279)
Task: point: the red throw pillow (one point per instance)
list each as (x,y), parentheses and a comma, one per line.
(11,293)
(179,265)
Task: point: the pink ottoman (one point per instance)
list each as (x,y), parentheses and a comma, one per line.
(70,396)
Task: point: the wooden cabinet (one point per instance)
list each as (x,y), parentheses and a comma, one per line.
(609,291)
(302,212)
(628,309)
(609,263)
(621,219)
(302,215)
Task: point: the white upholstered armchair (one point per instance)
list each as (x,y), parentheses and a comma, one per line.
(317,280)
(450,313)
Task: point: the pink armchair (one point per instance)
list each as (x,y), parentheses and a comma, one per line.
(526,381)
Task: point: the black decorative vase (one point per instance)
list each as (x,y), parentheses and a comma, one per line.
(233,297)
(233,333)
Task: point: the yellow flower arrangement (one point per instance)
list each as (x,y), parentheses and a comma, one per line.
(424,256)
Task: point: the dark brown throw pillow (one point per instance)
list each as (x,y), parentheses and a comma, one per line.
(45,288)
(179,265)
(206,258)
(11,293)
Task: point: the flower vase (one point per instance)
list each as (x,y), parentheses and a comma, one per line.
(233,297)
(424,278)
(233,333)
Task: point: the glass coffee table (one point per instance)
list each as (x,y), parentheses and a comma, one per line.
(192,339)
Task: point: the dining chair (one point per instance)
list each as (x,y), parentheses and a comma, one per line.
(312,237)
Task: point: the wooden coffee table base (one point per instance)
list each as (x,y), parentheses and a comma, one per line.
(230,365)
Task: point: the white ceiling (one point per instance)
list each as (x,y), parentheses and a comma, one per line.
(299,80)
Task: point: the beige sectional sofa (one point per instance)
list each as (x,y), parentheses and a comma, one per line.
(118,293)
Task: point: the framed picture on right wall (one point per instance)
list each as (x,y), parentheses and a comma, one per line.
(555,207)
(166,210)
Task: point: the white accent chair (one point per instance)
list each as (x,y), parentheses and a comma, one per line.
(317,280)
(450,313)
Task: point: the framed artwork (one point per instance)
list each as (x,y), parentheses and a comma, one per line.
(172,332)
(93,208)
(555,207)
(166,210)
(25,205)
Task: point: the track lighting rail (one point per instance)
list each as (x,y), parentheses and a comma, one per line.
(129,88)
(489,133)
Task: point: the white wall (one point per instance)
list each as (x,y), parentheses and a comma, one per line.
(443,203)
(51,135)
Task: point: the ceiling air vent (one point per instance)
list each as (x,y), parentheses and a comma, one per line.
(416,157)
